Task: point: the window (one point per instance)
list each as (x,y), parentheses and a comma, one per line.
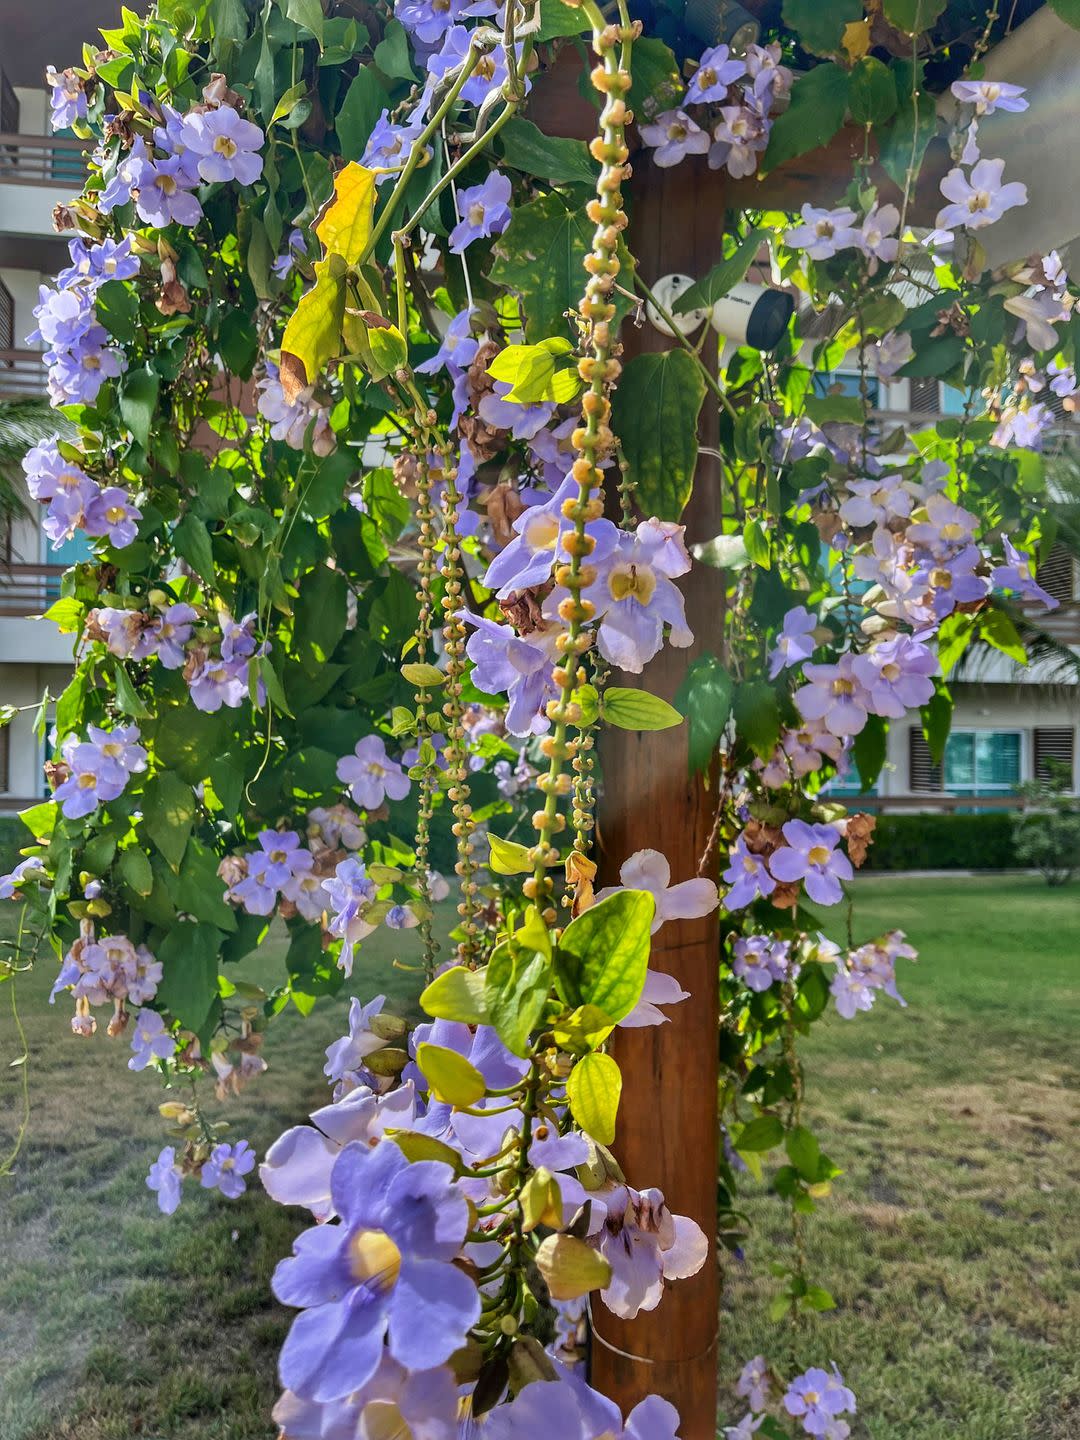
(5,758)
(838,382)
(982,762)
(952,401)
(923,772)
(1057,575)
(1054,750)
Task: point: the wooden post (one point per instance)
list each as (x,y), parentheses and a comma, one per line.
(667,1128)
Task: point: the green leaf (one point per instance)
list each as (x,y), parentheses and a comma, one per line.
(870,748)
(704,697)
(313,335)
(803,1151)
(138,401)
(507,857)
(903,144)
(955,634)
(415,1146)
(66,614)
(308,13)
(118,309)
(757,544)
(937,722)
(998,630)
(558,19)
(819,102)
(189,958)
(289,101)
(168,815)
(834,409)
(427,677)
(127,697)
(540,256)
(593,1091)
(603,955)
(135,870)
(453,1079)
(360,110)
(530,370)
(40,819)
(722,278)
(657,83)
(764,1133)
(517,983)
(192,541)
(757,716)
(392,53)
(913,16)
(631,709)
(457,994)
(873,92)
(820,24)
(200,891)
(546,157)
(655,415)
(321,616)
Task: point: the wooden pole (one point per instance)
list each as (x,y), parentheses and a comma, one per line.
(667,1128)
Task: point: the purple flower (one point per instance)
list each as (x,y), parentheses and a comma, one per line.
(673,136)
(645,1244)
(515,666)
(892,352)
(989,95)
(150,1040)
(10,882)
(76,376)
(100,768)
(401,917)
(92,265)
(823,232)
(489,75)
(659,989)
(1016,575)
(746,877)
(570,1409)
(539,532)
(226,1167)
(371,775)
(834,695)
(213,684)
(389,145)
(350,892)
(753,1383)
(979,199)
(716,70)
(429,20)
(811,855)
(163,192)
(164,1177)
(395,1402)
(457,350)
(795,643)
(817,1398)
(285,856)
(876,502)
(112,514)
(226,145)
(759,961)
(897,675)
(484,211)
(64,317)
(634,597)
(48,474)
(876,237)
(169,633)
(347,1055)
(649,870)
(738,138)
(1024,428)
(382,1275)
(67,102)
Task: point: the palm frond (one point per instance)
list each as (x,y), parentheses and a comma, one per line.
(23,423)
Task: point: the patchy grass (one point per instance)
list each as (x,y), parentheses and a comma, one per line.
(115,1321)
(950,1243)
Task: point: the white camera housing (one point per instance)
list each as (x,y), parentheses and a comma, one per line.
(667,290)
(751,315)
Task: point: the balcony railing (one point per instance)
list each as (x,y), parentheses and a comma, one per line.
(42,160)
(28,589)
(22,375)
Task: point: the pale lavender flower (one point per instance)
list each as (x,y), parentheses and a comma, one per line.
(834,695)
(747,877)
(389,145)
(226,145)
(350,892)
(163,192)
(876,237)
(226,1167)
(891,353)
(164,1177)
(796,641)
(760,961)
(817,1398)
(1038,314)
(484,211)
(67,101)
(634,597)
(518,667)
(296,248)
(717,69)
(651,871)
(1024,428)
(659,989)
(111,514)
(746,1429)
(876,502)
(428,20)
(424,1403)
(811,856)
(150,1040)
(673,136)
(897,675)
(753,1383)
(645,1245)
(371,775)
(213,684)
(170,632)
(1016,575)
(989,95)
(527,560)
(347,1055)
(823,232)
(490,74)
(738,138)
(979,199)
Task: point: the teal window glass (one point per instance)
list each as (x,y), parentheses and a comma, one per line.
(982,762)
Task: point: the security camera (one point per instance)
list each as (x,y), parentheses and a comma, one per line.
(747,315)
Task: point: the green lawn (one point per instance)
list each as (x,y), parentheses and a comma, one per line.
(951,1242)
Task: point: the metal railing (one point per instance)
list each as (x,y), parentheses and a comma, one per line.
(22,375)
(28,589)
(42,160)
(933,801)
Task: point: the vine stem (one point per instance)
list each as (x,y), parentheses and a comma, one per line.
(670,321)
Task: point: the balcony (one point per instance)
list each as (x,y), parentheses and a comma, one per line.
(37,172)
(27,590)
(22,376)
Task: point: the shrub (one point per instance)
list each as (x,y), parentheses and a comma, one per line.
(944,842)
(1050,838)
(13,836)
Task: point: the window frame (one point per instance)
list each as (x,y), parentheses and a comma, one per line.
(985,790)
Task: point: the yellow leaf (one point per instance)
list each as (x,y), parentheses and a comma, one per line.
(313,334)
(508,857)
(593,1090)
(452,1078)
(856,39)
(344,227)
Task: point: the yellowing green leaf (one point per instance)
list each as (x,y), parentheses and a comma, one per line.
(570,1267)
(632,709)
(313,335)
(452,1078)
(415,1146)
(541,1201)
(456,994)
(593,1090)
(507,857)
(603,955)
(344,227)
